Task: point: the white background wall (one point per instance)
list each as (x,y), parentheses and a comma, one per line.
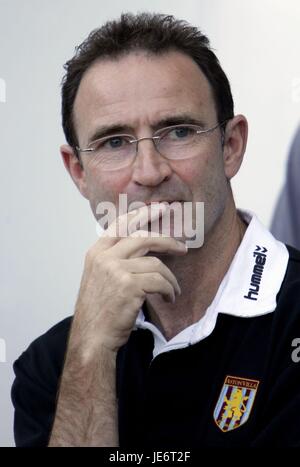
(46,226)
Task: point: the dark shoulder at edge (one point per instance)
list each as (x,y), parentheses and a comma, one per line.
(57,333)
(49,346)
(294,254)
(291,282)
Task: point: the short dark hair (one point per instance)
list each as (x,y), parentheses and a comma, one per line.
(151,32)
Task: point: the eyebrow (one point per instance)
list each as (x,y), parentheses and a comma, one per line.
(117,128)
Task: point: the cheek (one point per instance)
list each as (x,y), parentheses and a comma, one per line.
(106,186)
(194,172)
(204,175)
(188,170)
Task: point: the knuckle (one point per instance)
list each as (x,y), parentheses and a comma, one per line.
(156,277)
(174,241)
(139,296)
(110,263)
(155,261)
(90,255)
(108,266)
(125,279)
(113,268)
(92,258)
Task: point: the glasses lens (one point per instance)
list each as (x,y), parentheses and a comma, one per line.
(113,152)
(178,142)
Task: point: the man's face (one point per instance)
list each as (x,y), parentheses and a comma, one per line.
(137,92)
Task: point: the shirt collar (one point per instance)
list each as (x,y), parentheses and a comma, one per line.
(248,289)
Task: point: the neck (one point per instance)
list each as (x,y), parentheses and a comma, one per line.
(204,268)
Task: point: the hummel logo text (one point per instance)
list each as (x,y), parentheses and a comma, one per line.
(260,261)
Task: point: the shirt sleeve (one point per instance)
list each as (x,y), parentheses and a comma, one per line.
(35,388)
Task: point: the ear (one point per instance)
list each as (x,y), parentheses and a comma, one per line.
(75,168)
(234,145)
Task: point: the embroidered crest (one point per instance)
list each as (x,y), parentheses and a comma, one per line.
(235,402)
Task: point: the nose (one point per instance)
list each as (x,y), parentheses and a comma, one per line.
(150,168)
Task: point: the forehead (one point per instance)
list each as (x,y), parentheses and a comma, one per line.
(140,89)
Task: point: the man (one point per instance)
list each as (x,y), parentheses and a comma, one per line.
(168,346)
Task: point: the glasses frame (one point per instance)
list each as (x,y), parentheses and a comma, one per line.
(155,137)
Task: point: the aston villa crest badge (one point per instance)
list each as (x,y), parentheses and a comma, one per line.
(235,402)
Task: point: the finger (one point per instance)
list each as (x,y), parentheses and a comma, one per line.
(127,223)
(154,283)
(150,264)
(120,225)
(139,243)
(145,215)
(116,230)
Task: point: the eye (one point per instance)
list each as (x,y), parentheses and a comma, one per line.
(115,142)
(182,132)
(111,143)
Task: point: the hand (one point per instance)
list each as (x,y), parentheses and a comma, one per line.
(117,277)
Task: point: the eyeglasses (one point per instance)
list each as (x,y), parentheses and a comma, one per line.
(174,142)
